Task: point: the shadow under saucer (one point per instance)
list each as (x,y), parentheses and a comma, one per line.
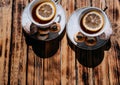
(90,58)
(44,49)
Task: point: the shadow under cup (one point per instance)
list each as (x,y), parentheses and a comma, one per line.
(89,33)
(32,13)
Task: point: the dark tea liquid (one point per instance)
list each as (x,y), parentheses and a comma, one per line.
(36,18)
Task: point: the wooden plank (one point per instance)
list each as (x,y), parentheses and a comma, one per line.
(84,73)
(34,64)
(51,62)
(48,71)
(84,66)
(18,46)
(101,72)
(114,52)
(52,69)
(117,43)
(68,70)
(38,71)
(34,69)
(5,36)
(43,69)
(30,67)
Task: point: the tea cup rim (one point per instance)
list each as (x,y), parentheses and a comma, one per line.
(89,9)
(30,7)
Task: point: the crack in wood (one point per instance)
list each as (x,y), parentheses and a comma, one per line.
(91,3)
(117,48)
(75,5)
(116,74)
(116,12)
(85,78)
(10,53)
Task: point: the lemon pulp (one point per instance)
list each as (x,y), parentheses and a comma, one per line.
(93,21)
(46,11)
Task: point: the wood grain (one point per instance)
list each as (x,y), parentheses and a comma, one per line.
(18,46)
(67,54)
(84,73)
(114,51)
(103,68)
(52,69)
(5,38)
(34,68)
(34,63)
(22,61)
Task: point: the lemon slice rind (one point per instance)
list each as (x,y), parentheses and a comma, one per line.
(90,28)
(42,17)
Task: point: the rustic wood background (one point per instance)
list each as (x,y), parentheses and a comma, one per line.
(19,65)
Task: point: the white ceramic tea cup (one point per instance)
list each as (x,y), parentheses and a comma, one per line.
(33,4)
(105,32)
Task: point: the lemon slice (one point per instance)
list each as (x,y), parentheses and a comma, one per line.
(93,21)
(46,11)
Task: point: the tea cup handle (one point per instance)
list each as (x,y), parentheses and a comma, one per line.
(106,34)
(106,7)
(58,18)
(56,1)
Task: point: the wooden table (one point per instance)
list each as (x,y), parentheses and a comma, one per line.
(19,65)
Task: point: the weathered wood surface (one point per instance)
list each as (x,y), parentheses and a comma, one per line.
(20,65)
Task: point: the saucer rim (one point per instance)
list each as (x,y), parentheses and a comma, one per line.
(62,22)
(77,12)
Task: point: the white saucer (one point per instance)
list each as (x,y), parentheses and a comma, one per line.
(26,22)
(73,28)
